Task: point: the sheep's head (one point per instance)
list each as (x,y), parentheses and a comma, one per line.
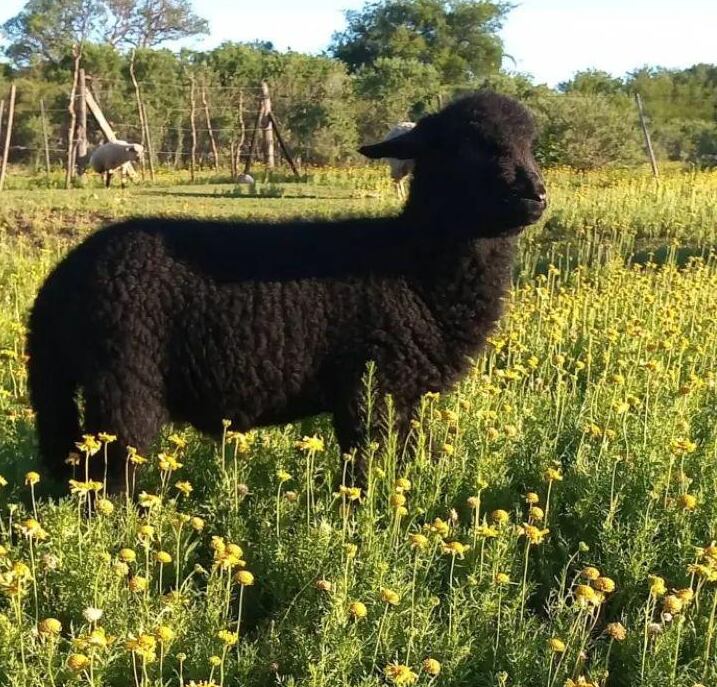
(135,152)
(474,166)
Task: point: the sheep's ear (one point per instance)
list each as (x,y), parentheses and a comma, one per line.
(404,147)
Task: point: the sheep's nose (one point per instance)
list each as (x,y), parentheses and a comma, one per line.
(538,192)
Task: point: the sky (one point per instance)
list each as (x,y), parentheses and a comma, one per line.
(548,39)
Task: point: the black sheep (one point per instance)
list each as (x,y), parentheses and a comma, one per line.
(158,320)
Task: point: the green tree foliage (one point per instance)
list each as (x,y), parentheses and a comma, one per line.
(45,29)
(458,37)
(392,90)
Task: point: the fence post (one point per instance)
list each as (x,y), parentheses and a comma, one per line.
(193,124)
(267,125)
(205,103)
(77,53)
(8,135)
(81,158)
(45,136)
(646,133)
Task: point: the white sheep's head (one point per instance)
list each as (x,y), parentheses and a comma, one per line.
(474,166)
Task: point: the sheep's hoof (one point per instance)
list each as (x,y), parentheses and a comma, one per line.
(245,179)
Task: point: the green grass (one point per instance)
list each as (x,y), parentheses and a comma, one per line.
(596,394)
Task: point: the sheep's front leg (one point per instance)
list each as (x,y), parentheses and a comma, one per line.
(108,179)
(355,431)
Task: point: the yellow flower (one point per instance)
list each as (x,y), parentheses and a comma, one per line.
(358,610)
(672,604)
(502,578)
(687,502)
(244,578)
(145,532)
(163,558)
(312,444)
(487,532)
(32,529)
(449,449)
(556,645)
(533,534)
(657,586)
(138,584)
(590,573)
(49,626)
(165,634)
(402,484)
(390,597)
(616,631)
(134,457)
(77,662)
(179,441)
(399,674)
(168,462)
(440,527)
(89,445)
(587,596)
(536,513)
(229,638)
(531,498)
(98,638)
(149,500)
(197,523)
(431,666)
(3,481)
(685,595)
(604,584)
(398,500)
(105,506)
(84,488)
(283,475)
(455,548)
(127,555)
(500,516)
(32,478)
(106,438)
(215,661)
(418,541)
(184,488)
(553,475)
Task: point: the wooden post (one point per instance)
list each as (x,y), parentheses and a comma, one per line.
(73,120)
(180,143)
(8,135)
(213,142)
(193,124)
(266,124)
(148,139)
(81,157)
(2,110)
(242,128)
(45,136)
(283,147)
(646,133)
(138,98)
(99,117)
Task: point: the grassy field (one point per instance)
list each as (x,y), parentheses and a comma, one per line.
(555,528)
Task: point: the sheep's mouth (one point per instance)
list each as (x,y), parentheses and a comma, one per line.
(524,210)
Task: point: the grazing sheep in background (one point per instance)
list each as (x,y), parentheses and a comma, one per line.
(159,320)
(400,168)
(116,155)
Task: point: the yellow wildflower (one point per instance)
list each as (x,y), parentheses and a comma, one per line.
(390,597)
(312,444)
(358,610)
(399,674)
(431,667)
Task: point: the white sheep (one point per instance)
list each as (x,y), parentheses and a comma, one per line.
(116,155)
(400,168)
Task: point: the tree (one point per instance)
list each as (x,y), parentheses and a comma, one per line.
(45,30)
(458,37)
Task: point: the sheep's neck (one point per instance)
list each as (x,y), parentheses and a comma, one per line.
(465,287)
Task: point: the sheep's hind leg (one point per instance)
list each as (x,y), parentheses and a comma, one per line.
(132,412)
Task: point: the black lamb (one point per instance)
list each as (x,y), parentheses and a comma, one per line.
(158,320)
